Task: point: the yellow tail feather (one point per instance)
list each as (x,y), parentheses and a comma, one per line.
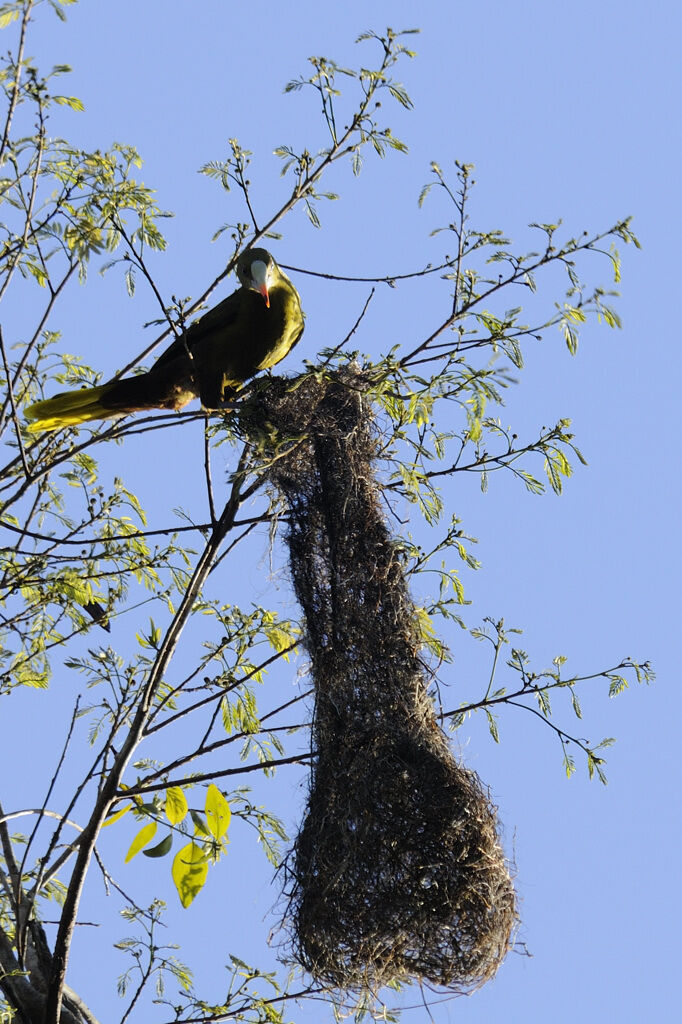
(69,408)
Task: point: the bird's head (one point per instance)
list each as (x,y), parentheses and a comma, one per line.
(256,269)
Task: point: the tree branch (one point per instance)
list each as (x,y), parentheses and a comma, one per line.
(110,787)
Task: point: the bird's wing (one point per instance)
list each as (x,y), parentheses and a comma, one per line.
(219,317)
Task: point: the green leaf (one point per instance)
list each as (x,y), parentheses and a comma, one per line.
(312,213)
(610,316)
(199,824)
(130,280)
(69,101)
(616,685)
(218,813)
(569,764)
(176,805)
(570,337)
(36,271)
(475,429)
(144,836)
(190,869)
(575,314)
(280,635)
(398,93)
(594,764)
(162,848)
(544,703)
(492,726)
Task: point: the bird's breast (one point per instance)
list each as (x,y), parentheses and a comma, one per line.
(280,327)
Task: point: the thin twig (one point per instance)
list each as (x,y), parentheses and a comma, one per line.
(209,776)
(15,418)
(17,80)
(239,1013)
(207,471)
(214,697)
(351,331)
(139,260)
(202,528)
(239,538)
(385,279)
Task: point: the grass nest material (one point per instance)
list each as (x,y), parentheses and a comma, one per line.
(397,872)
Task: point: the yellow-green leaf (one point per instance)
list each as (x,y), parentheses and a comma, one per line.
(69,101)
(190,868)
(7,17)
(176,805)
(144,836)
(115,817)
(424,624)
(218,812)
(474,429)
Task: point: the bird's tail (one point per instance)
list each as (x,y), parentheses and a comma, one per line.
(71,407)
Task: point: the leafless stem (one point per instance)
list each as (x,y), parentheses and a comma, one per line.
(224,773)
(15,419)
(207,471)
(374,279)
(139,260)
(26,17)
(352,330)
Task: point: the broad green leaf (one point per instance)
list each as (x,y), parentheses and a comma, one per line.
(218,812)
(176,805)
(190,869)
(144,836)
(161,849)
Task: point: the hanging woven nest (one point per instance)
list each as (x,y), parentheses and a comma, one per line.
(397,872)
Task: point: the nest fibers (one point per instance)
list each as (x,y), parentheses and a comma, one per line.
(397,872)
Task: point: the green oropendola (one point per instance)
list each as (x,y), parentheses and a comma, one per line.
(250,330)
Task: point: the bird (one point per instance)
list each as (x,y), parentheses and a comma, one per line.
(251,330)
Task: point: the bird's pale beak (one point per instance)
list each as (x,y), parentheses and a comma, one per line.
(259,276)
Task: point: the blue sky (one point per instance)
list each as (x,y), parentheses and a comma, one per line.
(567,111)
